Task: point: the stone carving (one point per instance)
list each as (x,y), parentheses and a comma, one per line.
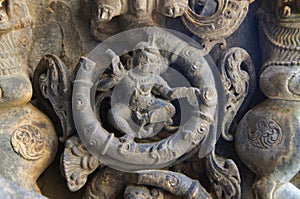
(266,134)
(138,129)
(132,192)
(78,163)
(238,83)
(141,78)
(28,139)
(152,155)
(271,128)
(140,83)
(54,32)
(224,177)
(177,184)
(108,183)
(212,21)
(28,142)
(110,17)
(52,86)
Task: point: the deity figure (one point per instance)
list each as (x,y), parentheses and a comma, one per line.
(136,110)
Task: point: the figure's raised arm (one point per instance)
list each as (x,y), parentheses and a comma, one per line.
(163,89)
(116,74)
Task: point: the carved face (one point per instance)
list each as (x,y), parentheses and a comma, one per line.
(173,8)
(288,9)
(146,58)
(107,9)
(4,15)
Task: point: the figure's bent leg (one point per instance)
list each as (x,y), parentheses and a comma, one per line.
(118,116)
(161,111)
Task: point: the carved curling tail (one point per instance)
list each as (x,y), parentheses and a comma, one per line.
(176,183)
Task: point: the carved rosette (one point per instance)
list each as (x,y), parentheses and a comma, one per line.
(28,142)
(77,163)
(266,134)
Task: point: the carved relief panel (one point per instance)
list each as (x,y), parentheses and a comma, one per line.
(143,96)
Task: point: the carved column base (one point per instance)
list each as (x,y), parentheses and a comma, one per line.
(28,144)
(267,141)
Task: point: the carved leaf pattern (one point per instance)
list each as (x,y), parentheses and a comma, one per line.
(77,163)
(238,77)
(52,82)
(224,176)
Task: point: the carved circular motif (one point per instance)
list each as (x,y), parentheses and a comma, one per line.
(293,84)
(265,135)
(136,110)
(28,142)
(80,102)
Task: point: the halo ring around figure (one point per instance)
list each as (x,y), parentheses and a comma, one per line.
(154,111)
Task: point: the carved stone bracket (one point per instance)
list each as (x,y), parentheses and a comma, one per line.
(238,77)
(224,177)
(52,85)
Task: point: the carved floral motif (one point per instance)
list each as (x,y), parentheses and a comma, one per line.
(28,142)
(224,177)
(77,163)
(265,135)
(239,84)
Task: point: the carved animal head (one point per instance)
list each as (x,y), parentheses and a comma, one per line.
(14,14)
(288,8)
(172,8)
(107,9)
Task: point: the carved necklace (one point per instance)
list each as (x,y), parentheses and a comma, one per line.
(139,80)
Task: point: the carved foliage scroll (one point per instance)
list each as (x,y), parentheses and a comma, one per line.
(52,83)
(238,77)
(224,177)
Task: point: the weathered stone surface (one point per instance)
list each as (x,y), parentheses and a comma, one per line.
(28,145)
(10,190)
(28,140)
(147,131)
(267,139)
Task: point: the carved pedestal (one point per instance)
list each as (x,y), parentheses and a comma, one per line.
(27,137)
(268,137)
(28,145)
